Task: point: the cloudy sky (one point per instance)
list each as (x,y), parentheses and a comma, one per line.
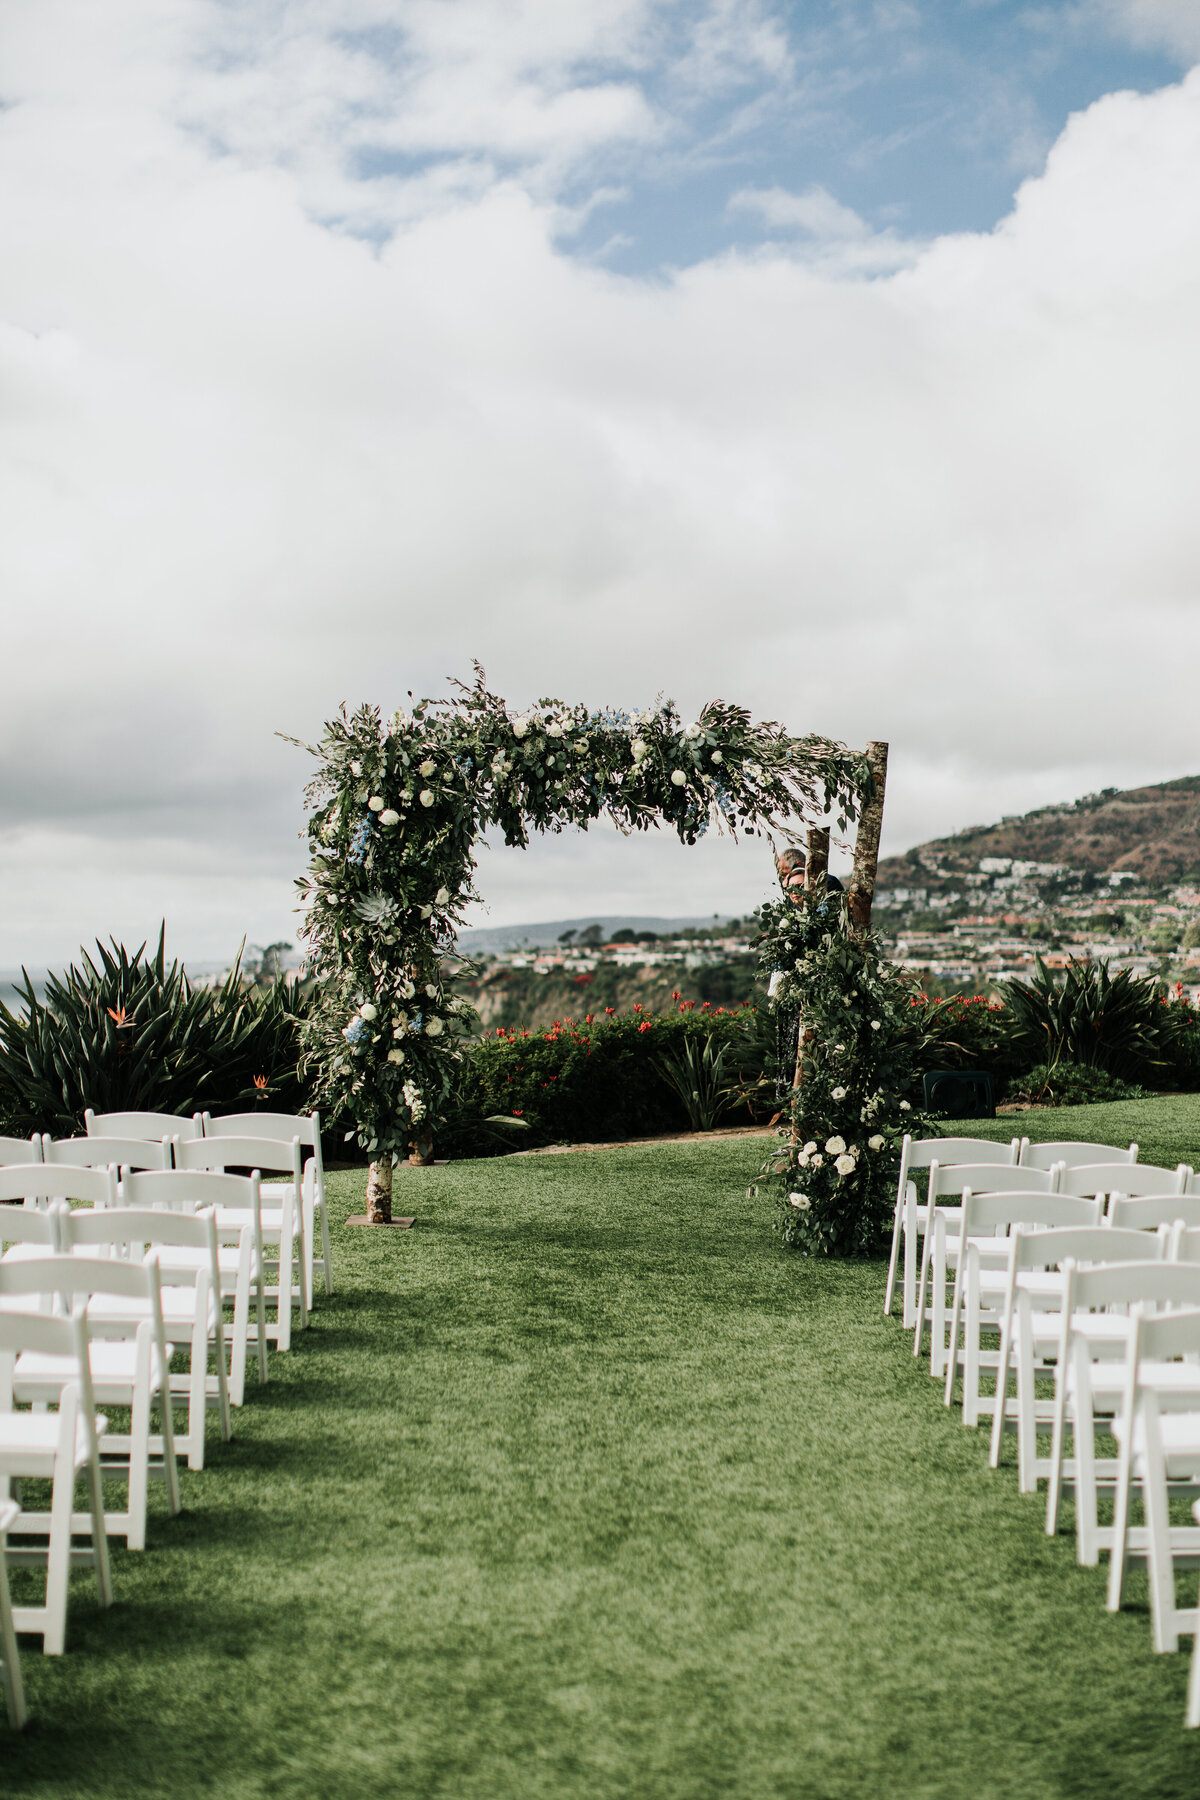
(839,358)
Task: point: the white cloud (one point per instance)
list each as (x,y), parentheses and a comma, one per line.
(252,466)
(835,235)
(1171,25)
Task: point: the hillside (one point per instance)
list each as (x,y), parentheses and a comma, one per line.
(1154,831)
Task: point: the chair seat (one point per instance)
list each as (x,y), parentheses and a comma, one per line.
(113,1364)
(1166,1378)
(178,1307)
(237,1218)
(24,1435)
(178,1256)
(1179,1432)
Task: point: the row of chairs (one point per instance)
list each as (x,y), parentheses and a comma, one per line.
(111,1266)
(1085,1271)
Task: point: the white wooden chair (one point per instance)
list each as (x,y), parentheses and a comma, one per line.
(988,1226)
(36,1185)
(27,1231)
(106,1152)
(1070,1155)
(129,1372)
(910,1215)
(1033,1325)
(277,1225)
(1161,1438)
(239,1251)
(283,1127)
(142,1125)
(1133,1181)
(21,1150)
(10,1661)
(191,1302)
(58,1447)
(940,1247)
(1094,1386)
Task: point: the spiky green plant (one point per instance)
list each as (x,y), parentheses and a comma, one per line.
(131,1033)
(697,1072)
(1120,1023)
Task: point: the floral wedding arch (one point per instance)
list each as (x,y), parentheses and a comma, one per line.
(396,808)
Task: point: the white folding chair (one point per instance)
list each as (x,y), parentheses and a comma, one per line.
(277,1223)
(910,1217)
(142,1125)
(36,1185)
(940,1247)
(237,1219)
(130,1372)
(1070,1155)
(30,1231)
(190,1295)
(1122,1178)
(982,1259)
(106,1152)
(10,1661)
(1095,1388)
(58,1447)
(282,1128)
(21,1150)
(1032,1326)
(1160,1435)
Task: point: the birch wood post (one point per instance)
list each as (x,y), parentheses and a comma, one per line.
(379,1192)
(815,873)
(866,842)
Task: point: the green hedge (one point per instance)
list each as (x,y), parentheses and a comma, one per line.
(599,1079)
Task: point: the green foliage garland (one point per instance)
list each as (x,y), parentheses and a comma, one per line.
(837,1179)
(396,810)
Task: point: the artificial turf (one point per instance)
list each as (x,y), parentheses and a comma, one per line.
(584,1487)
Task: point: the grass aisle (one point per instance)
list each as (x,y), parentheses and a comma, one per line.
(583,1488)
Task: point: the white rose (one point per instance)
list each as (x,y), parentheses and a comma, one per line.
(904,1106)
(331,899)
(425,797)
(809,1148)
(839,1093)
(845,1165)
(434,1028)
(875,1025)
(368,1012)
(407,990)
(376,803)
(817,1162)
(431,989)
(876,1142)
(520,728)
(678,778)
(835,1146)
(802,1161)
(800,1201)
(388,817)
(717,757)
(427,767)
(553,728)
(442,897)
(691,731)
(395,1056)
(638,748)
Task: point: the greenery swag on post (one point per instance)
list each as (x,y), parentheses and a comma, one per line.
(396,810)
(855,1052)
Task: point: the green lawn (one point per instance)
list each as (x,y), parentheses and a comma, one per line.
(584,1488)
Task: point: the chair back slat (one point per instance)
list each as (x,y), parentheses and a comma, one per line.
(923,1151)
(221,1153)
(1051,1248)
(1145,1212)
(153,1125)
(100,1152)
(185,1190)
(1020,1206)
(1071,1155)
(21,1150)
(1122,1178)
(33,1182)
(983,1178)
(279,1127)
(1132,1282)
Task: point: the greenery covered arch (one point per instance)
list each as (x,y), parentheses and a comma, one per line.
(396,808)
